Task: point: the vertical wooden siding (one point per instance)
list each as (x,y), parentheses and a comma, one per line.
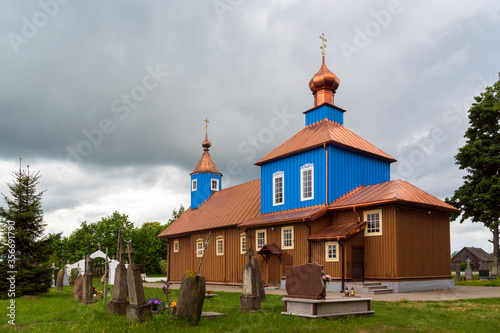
(423,245)
(381,251)
(180,261)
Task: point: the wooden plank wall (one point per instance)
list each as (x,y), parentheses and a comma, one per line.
(180,261)
(424,243)
(381,251)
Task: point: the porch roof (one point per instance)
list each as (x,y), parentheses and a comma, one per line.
(292,215)
(338,232)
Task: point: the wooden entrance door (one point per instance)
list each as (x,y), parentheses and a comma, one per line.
(358,263)
(273,271)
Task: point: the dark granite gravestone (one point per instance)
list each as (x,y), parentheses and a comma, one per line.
(78,290)
(191,297)
(305,281)
(59,281)
(137,307)
(260,286)
(118,303)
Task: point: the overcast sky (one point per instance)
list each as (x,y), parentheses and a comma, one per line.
(107,98)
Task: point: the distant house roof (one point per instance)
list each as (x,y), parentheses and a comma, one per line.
(224,208)
(324,131)
(396,191)
(479,253)
(338,232)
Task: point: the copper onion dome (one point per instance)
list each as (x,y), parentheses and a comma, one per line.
(206,144)
(323,85)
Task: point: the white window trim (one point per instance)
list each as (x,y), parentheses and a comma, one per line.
(243,236)
(379,233)
(306,167)
(283,247)
(279,174)
(176,245)
(216,187)
(333,243)
(220,239)
(194,185)
(257,248)
(199,251)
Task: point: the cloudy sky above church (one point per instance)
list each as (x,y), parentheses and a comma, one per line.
(107,99)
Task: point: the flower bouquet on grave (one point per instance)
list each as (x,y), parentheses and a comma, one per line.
(155,303)
(326,278)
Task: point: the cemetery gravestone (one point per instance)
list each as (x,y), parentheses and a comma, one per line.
(65,280)
(249,301)
(458,275)
(88,291)
(260,286)
(468,271)
(305,281)
(137,308)
(59,281)
(78,290)
(191,297)
(118,304)
(53,267)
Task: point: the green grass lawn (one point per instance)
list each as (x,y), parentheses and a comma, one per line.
(57,312)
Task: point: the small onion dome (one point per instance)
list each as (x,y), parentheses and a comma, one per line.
(206,144)
(323,85)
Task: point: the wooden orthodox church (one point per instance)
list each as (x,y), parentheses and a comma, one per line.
(324,196)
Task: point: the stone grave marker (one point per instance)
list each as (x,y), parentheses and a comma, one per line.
(65,279)
(87,290)
(457,272)
(118,303)
(468,271)
(305,281)
(59,281)
(260,286)
(78,290)
(494,269)
(250,299)
(138,308)
(53,267)
(191,297)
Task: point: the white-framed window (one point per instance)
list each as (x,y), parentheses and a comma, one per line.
(199,247)
(287,239)
(331,251)
(243,243)
(307,182)
(373,220)
(176,245)
(260,239)
(278,188)
(194,185)
(214,184)
(220,245)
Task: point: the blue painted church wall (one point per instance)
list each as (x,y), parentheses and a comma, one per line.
(204,187)
(322,112)
(348,169)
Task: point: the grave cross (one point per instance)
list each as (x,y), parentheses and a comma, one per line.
(249,255)
(130,252)
(468,262)
(204,250)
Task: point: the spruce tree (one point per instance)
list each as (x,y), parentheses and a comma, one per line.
(479,196)
(23,252)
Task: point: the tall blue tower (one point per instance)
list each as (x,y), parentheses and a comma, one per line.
(205,178)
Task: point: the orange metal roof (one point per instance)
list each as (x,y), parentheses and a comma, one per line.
(308,213)
(393,191)
(338,231)
(324,131)
(205,164)
(224,208)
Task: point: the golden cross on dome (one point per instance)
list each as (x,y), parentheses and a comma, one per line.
(206,125)
(323,46)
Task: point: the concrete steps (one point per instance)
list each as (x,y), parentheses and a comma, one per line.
(373,288)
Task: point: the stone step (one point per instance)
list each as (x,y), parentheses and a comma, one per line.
(382,291)
(366,284)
